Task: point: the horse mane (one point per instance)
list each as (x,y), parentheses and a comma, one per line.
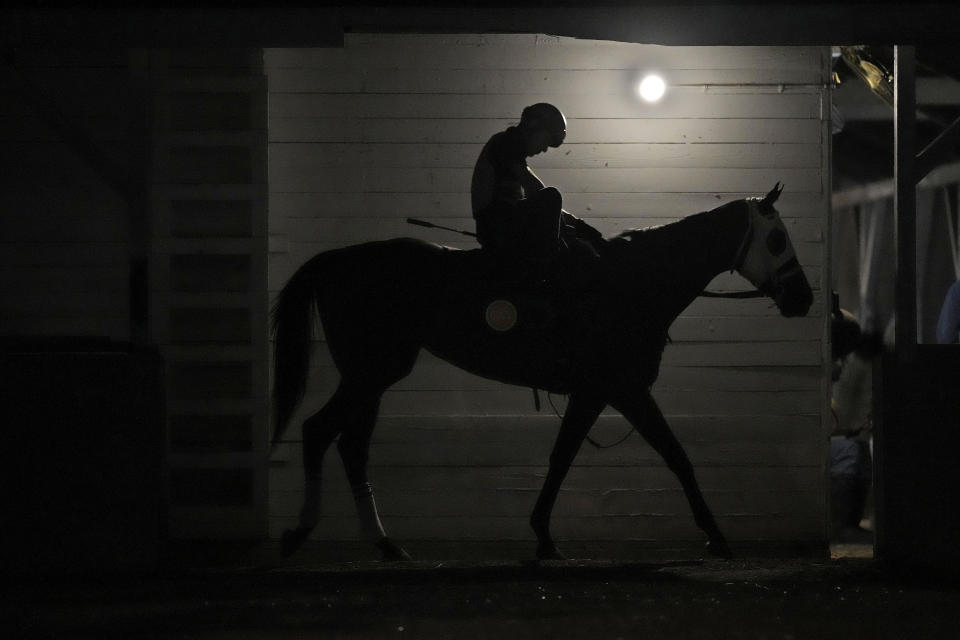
(650,243)
(646,247)
(638,234)
(650,256)
(643,237)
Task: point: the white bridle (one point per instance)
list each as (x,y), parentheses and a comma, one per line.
(766,256)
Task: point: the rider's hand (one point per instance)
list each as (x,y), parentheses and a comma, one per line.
(579,228)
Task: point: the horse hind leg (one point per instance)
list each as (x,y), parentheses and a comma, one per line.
(354,448)
(319,431)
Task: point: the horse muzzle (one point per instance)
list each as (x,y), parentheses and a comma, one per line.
(793,295)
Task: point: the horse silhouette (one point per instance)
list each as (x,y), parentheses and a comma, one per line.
(380,303)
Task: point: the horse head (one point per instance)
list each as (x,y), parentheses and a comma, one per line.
(768,260)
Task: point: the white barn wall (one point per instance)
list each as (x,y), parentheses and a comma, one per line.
(389,126)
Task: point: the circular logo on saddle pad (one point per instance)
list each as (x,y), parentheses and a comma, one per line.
(501,315)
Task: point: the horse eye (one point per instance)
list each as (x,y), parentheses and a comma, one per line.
(776,242)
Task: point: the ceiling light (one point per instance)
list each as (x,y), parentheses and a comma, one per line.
(651,88)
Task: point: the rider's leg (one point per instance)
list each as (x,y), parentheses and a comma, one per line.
(541,216)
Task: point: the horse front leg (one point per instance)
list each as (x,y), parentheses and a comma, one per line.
(582,412)
(646,417)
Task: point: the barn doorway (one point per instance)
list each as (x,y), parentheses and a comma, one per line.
(864,232)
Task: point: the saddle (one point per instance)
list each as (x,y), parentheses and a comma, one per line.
(517,297)
(551,318)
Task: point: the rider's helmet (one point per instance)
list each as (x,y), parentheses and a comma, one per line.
(546,116)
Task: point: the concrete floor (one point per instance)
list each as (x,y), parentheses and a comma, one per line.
(671,594)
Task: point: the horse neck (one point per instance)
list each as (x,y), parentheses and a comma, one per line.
(677,261)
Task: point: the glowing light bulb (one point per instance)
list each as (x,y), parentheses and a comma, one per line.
(652,88)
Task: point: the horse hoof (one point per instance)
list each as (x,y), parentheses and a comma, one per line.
(291,540)
(392,552)
(719,548)
(549,553)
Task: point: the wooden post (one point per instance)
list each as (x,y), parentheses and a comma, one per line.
(905,200)
(894,449)
(140,134)
(916,395)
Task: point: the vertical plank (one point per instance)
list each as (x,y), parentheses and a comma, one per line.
(210,303)
(905,198)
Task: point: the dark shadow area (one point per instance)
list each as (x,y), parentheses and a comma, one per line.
(82,465)
(747,598)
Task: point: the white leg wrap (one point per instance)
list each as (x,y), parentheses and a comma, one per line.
(310,512)
(367,511)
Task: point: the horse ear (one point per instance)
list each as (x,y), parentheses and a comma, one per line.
(771,197)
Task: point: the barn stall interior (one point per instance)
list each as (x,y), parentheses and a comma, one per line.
(894,233)
(135,238)
(258,158)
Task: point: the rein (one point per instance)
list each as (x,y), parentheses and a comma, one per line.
(588,438)
(738,259)
(737,262)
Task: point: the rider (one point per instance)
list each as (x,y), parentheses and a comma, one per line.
(514,211)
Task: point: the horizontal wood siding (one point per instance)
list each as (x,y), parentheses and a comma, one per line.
(64,234)
(389,126)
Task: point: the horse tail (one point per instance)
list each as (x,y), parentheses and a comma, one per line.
(292,322)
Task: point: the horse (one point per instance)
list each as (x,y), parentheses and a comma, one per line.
(601,342)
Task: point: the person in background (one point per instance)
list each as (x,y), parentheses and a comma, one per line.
(851,467)
(948,326)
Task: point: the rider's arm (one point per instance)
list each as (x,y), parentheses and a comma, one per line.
(528,180)
(483,186)
(579,228)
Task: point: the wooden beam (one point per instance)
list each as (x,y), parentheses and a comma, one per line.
(70,131)
(677,23)
(905,199)
(140,212)
(873,223)
(128,182)
(938,151)
(940,177)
